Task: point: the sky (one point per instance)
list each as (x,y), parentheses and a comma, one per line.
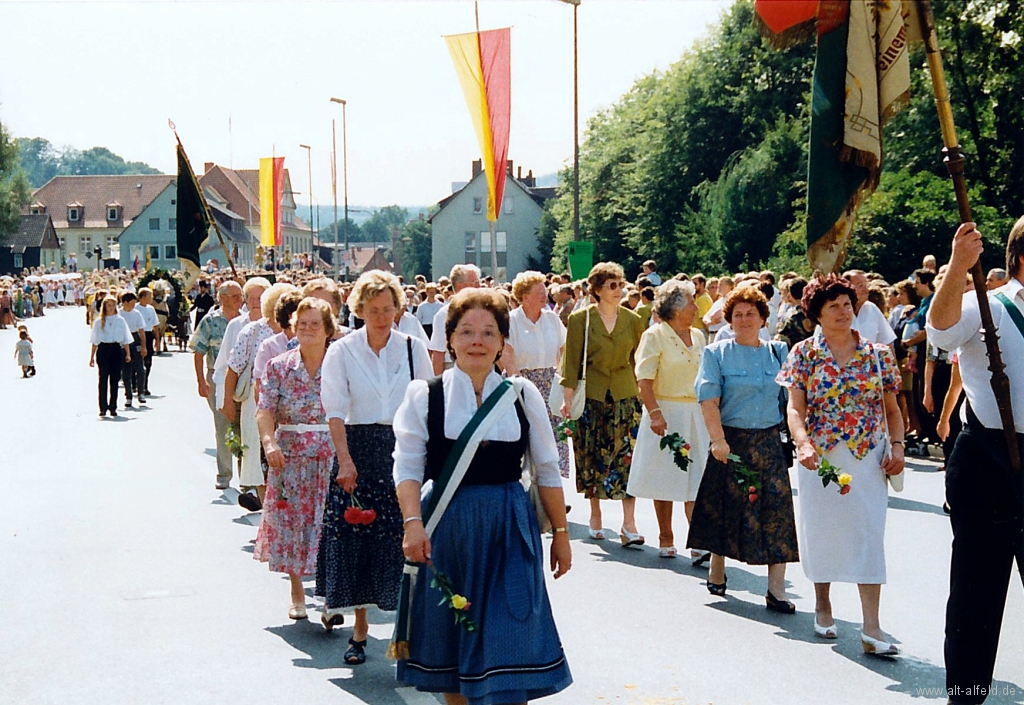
(84,73)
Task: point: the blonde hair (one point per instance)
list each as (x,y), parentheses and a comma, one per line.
(327,285)
(371,284)
(103,310)
(268,302)
(326,314)
(525,281)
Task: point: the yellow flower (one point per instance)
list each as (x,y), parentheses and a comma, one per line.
(844,480)
(459,602)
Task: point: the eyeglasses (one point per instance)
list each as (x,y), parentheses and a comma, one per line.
(613,285)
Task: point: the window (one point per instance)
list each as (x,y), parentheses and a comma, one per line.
(36,210)
(470,248)
(73,214)
(154,251)
(172,224)
(478,204)
(509,204)
(112,213)
(485,253)
(170,252)
(287,217)
(62,243)
(85,244)
(111,241)
(154,223)
(18,262)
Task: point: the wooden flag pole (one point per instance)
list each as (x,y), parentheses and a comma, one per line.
(209,213)
(954,161)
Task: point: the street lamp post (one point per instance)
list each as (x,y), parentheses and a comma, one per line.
(575,124)
(344,167)
(309,163)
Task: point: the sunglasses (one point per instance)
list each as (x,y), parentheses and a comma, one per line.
(613,285)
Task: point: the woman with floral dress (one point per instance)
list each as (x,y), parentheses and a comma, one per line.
(365,377)
(842,391)
(297,444)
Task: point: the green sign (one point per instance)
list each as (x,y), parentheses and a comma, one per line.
(581,259)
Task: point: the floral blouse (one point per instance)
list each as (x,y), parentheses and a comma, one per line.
(294,398)
(843,403)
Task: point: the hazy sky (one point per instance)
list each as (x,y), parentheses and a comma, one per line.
(85,73)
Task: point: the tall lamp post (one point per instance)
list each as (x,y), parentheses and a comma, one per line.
(575,123)
(309,163)
(344,176)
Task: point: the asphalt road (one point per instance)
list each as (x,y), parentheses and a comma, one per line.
(127,578)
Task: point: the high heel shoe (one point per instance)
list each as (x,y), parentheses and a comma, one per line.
(297,611)
(717,589)
(829,632)
(698,558)
(776,605)
(630,539)
(596,534)
(877,647)
(332,618)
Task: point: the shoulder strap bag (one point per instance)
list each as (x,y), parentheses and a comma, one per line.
(1011,308)
(895,481)
(579,397)
(452,473)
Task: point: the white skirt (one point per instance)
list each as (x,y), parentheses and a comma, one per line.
(251,474)
(842,537)
(653,474)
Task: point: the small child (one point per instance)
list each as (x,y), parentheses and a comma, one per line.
(23,352)
(23,328)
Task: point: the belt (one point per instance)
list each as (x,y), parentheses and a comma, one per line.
(305,427)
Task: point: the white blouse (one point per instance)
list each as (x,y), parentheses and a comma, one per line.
(535,344)
(459,406)
(361,387)
(116,331)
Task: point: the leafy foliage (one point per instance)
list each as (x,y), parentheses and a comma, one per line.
(42,161)
(14,187)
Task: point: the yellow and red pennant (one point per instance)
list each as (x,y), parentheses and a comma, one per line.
(271,192)
(483,63)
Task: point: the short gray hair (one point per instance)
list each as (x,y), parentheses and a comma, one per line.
(460,271)
(673,296)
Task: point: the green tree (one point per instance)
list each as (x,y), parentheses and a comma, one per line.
(42,161)
(416,249)
(14,188)
(384,222)
(39,159)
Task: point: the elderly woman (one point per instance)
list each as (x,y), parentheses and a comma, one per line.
(486,543)
(327,290)
(365,377)
(744,507)
(842,405)
(283,339)
(297,443)
(667,362)
(607,429)
(535,343)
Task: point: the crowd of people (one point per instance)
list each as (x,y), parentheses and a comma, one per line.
(407,444)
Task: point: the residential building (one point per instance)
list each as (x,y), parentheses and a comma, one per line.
(461,233)
(238,190)
(35,244)
(90,212)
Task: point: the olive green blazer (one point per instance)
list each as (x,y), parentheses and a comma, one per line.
(610,356)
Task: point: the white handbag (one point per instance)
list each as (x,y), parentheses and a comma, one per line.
(895,481)
(579,397)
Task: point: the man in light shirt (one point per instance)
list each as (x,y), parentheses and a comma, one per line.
(868,320)
(251,292)
(133,374)
(151,322)
(982,490)
(714,319)
(463,276)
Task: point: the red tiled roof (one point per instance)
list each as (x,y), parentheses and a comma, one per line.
(245,183)
(133,191)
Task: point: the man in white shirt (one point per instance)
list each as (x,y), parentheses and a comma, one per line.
(714,319)
(869,321)
(982,490)
(463,276)
(251,291)
(428,308)
(133,374)
(150,324)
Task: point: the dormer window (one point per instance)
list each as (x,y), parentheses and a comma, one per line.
(37,209)
(74,214)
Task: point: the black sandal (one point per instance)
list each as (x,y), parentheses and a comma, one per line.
(356,653)
(776,605)
(717,589)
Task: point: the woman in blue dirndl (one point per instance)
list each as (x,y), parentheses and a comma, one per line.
(486,544)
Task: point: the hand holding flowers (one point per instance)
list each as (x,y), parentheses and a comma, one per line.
(680,450)
(566,429)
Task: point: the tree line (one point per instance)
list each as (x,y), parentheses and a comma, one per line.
(703,167)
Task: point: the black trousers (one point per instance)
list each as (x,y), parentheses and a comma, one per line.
(147,362)
(985,503)
(108,359)
(133,373)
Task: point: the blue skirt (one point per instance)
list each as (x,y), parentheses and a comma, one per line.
(488,544)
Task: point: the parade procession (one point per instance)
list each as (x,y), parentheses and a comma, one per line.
(417,455)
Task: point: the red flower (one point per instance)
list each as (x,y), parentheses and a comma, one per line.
(753,490)
(281,504)
(845,489)
(368,516)
(753,497)
(354,515)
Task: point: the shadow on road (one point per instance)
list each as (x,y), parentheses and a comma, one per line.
(912,505)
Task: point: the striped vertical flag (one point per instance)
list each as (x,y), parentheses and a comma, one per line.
(271,192)
(483,63)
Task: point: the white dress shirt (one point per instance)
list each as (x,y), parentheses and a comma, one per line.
(220,366)
(361,387)
(965,337)
(411,326)
(438,341)
(872,325)
(134,319)
(459,407)
(537,344)
(149,317)
(115,331)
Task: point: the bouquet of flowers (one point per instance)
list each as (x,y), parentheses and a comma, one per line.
(458,603)
(745,477)
(567,428)
(680,449)
(358,515)
(233,440)
(830,473)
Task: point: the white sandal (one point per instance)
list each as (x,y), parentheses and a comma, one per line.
(667,552)
(829,632)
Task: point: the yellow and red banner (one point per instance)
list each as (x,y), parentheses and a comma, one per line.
(271,192)
(483,63)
